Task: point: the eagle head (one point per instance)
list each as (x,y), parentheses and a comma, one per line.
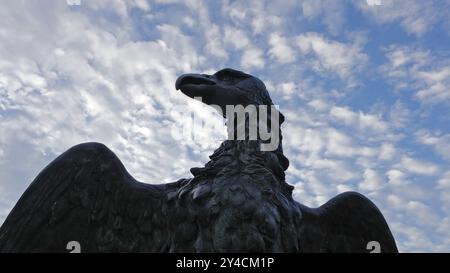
(225,87)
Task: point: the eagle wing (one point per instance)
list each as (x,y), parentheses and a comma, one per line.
(347,223)
(86,195)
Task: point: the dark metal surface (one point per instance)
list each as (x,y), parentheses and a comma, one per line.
(238,202)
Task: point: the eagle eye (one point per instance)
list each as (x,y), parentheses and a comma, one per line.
(230,76)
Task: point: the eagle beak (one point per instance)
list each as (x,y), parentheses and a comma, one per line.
(211,90)
(193,79)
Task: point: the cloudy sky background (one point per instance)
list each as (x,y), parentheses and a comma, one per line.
(364,88)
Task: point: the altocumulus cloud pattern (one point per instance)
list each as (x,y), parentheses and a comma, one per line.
(364,86)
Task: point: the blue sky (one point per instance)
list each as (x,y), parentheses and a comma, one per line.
(364,88)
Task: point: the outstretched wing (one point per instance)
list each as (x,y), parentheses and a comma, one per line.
(86,195)
(347,223)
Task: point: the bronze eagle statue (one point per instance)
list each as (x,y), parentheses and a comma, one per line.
(238,202)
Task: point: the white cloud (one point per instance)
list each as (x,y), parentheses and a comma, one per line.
(439,142)
(331,56)
(360,120)
(396,177)
(252,58)
(213,35)
(339,144)
(418,166)
(437,85)
(236,37)
(344,115)
(372,180)
(344,187)
(387,151)
(415,16)
(258,16)
(444,182)
(287,89)
(142,4)
(428,75)
(443,186)
(280,49)
(399,115)
(411,238)
(394,201)
(318,104)
(329,12)
(422,213)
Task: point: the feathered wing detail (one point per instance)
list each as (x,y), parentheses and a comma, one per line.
(86,195)
(346,223)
